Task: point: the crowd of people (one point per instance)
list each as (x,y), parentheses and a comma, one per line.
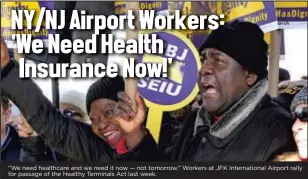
(232,119)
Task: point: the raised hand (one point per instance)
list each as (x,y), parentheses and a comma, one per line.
(131,122)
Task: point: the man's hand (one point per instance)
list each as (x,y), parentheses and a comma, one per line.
(130,122)
(5,58)
(22,127)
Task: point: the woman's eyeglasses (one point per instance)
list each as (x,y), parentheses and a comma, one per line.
(72,113)
(301,114)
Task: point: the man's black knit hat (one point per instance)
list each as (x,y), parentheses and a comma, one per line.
(106,87)
(244,42)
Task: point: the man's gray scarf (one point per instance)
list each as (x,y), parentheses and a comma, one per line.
(236,114)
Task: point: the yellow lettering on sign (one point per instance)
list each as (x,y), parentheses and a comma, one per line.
(150,5)
(9,32)
(120,7)
(302,14)
(257,18)
(237,9)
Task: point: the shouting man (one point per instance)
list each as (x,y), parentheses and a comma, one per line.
(238,121)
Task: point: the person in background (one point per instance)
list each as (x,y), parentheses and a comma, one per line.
(10,143)
(181,114)
(72,103)
(284,75)
(286,92)
(299,108)
(238,120)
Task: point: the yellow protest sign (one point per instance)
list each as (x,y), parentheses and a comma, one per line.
(261,13)
(6,21)
(180,88)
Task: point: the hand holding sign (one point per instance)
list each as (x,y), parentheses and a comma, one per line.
(179,88)
(130,121)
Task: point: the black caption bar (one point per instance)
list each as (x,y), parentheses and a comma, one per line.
(179,170)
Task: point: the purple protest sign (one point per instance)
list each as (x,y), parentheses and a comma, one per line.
(180,87)
(209,7)
(261,13)
(292,14)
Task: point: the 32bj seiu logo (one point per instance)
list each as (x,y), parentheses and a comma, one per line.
(182,73)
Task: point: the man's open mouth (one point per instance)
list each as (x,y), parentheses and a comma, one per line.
(209,90)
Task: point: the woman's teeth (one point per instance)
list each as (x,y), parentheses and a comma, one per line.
(109,133)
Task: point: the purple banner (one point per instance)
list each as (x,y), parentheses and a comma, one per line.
(263,17)
(292,14)
(210,7)
(50,5)
(143,5)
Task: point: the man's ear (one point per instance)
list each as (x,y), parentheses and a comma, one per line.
(251,78)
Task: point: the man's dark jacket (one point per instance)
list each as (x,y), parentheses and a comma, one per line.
(265,133)
(11,148)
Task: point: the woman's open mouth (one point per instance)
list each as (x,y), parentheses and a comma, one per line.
(112,136)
